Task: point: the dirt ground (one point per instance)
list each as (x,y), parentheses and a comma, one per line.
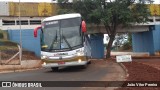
(142,70)
(8,49)
(151,62)
(6,57)
(26,55)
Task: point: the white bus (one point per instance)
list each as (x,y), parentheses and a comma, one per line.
(63,41)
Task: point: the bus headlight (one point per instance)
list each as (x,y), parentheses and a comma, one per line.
(44,63)
(43,57)
(79,60)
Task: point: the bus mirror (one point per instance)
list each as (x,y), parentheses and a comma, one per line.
(84,29)
(36,30)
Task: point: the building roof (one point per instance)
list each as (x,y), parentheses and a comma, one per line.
(63,16)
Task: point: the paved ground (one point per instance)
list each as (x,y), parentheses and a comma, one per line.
(97,71)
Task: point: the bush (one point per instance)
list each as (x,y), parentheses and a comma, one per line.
(126,46)
(1,35)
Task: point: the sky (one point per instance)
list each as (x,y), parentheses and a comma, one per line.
(155,1)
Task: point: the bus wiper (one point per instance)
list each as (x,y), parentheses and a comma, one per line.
(54,40)
(67,42)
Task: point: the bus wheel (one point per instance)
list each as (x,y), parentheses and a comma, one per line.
(54,68)
(89,62)
(84,66)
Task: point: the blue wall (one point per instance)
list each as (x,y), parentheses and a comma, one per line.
(97,46)
(143,42)
(147,41)
(156,38)
(28,41)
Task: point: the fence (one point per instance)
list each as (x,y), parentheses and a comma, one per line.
(10,55)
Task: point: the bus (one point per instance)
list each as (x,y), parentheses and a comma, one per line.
(64,41)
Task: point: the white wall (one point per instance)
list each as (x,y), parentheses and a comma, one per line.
(0,22)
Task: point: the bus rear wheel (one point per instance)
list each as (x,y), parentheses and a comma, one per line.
(54,68)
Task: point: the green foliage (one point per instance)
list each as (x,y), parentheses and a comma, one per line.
(130,39)
(128,45)
(64,11)
(7,43)
(1,35)
(85,8)
(65,7)
(114,13)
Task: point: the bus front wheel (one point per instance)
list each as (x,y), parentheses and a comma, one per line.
(83,66)
(54,68)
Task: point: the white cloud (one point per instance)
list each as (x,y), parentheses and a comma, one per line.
(157,1)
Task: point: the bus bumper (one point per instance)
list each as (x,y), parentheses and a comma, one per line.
(65,64)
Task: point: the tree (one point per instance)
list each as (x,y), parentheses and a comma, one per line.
(65,7)
(112,14)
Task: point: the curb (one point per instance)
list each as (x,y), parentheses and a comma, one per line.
(142,57)
(147,57)
(125,69)
(18,70)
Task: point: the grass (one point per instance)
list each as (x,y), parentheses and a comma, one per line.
(7,42)
(7,45)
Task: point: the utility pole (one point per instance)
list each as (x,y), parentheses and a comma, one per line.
(20,34)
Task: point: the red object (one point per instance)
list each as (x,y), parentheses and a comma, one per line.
(60,63)
(84,29)
(36,30)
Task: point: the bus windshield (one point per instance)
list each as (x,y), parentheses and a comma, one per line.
(62,35)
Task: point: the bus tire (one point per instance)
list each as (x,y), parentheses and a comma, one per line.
(84,66)
(89,62)
(54,68)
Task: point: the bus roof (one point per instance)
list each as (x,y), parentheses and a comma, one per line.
(63,16)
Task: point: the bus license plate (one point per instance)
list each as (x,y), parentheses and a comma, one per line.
(61,63)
